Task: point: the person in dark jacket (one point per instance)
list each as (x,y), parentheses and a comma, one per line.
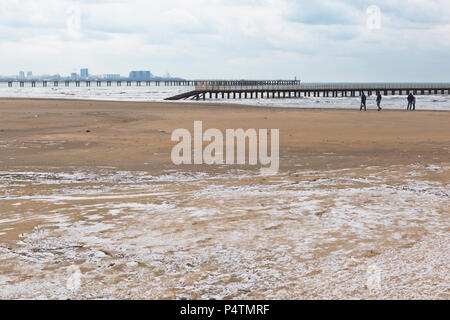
(414,103)
(363,102)
(379,97)
(410,102)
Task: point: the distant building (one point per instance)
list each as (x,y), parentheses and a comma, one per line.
(84,73)
(29,74)
(140,75)
(111,76)
(73,76)
(21,75)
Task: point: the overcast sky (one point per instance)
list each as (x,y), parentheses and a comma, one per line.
(326,40)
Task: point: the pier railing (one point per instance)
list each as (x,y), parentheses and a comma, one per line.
(295,90)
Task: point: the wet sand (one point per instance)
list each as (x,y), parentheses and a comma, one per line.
(359,209)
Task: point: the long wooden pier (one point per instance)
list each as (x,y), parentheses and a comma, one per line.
(251,89)
(203,92)
(128,82)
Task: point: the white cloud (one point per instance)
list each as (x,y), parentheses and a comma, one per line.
(318,40)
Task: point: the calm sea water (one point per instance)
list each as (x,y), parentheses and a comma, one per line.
(154,94)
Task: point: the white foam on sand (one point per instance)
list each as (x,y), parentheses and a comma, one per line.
(321,235)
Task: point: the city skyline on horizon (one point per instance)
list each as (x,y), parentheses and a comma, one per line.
(84,74)
(327,41)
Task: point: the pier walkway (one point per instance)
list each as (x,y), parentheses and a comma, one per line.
(310,90)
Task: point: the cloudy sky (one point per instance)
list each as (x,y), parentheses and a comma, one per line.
(323,40)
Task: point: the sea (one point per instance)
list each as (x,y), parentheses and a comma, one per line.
(159,93)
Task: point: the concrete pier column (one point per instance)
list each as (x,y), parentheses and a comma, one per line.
(108,83)
(67,83)
(99,83)
(119,83)
(44,83)
(435,91)
(128,83)
(22,84)
(55,83)
(77,83)
(138,83)
(10,84)
(33,84)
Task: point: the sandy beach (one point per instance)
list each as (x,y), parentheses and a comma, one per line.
(358,210)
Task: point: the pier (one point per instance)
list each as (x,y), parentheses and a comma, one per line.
(167,83)
(288,90)
(251,89)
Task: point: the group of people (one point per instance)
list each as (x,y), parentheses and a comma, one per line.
(411,102)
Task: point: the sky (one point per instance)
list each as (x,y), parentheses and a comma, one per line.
(314,41)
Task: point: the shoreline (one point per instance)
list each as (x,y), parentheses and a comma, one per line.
(219,104)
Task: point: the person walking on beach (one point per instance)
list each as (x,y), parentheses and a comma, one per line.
(410,102)
(363,102)
(379,97)
(414,103)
